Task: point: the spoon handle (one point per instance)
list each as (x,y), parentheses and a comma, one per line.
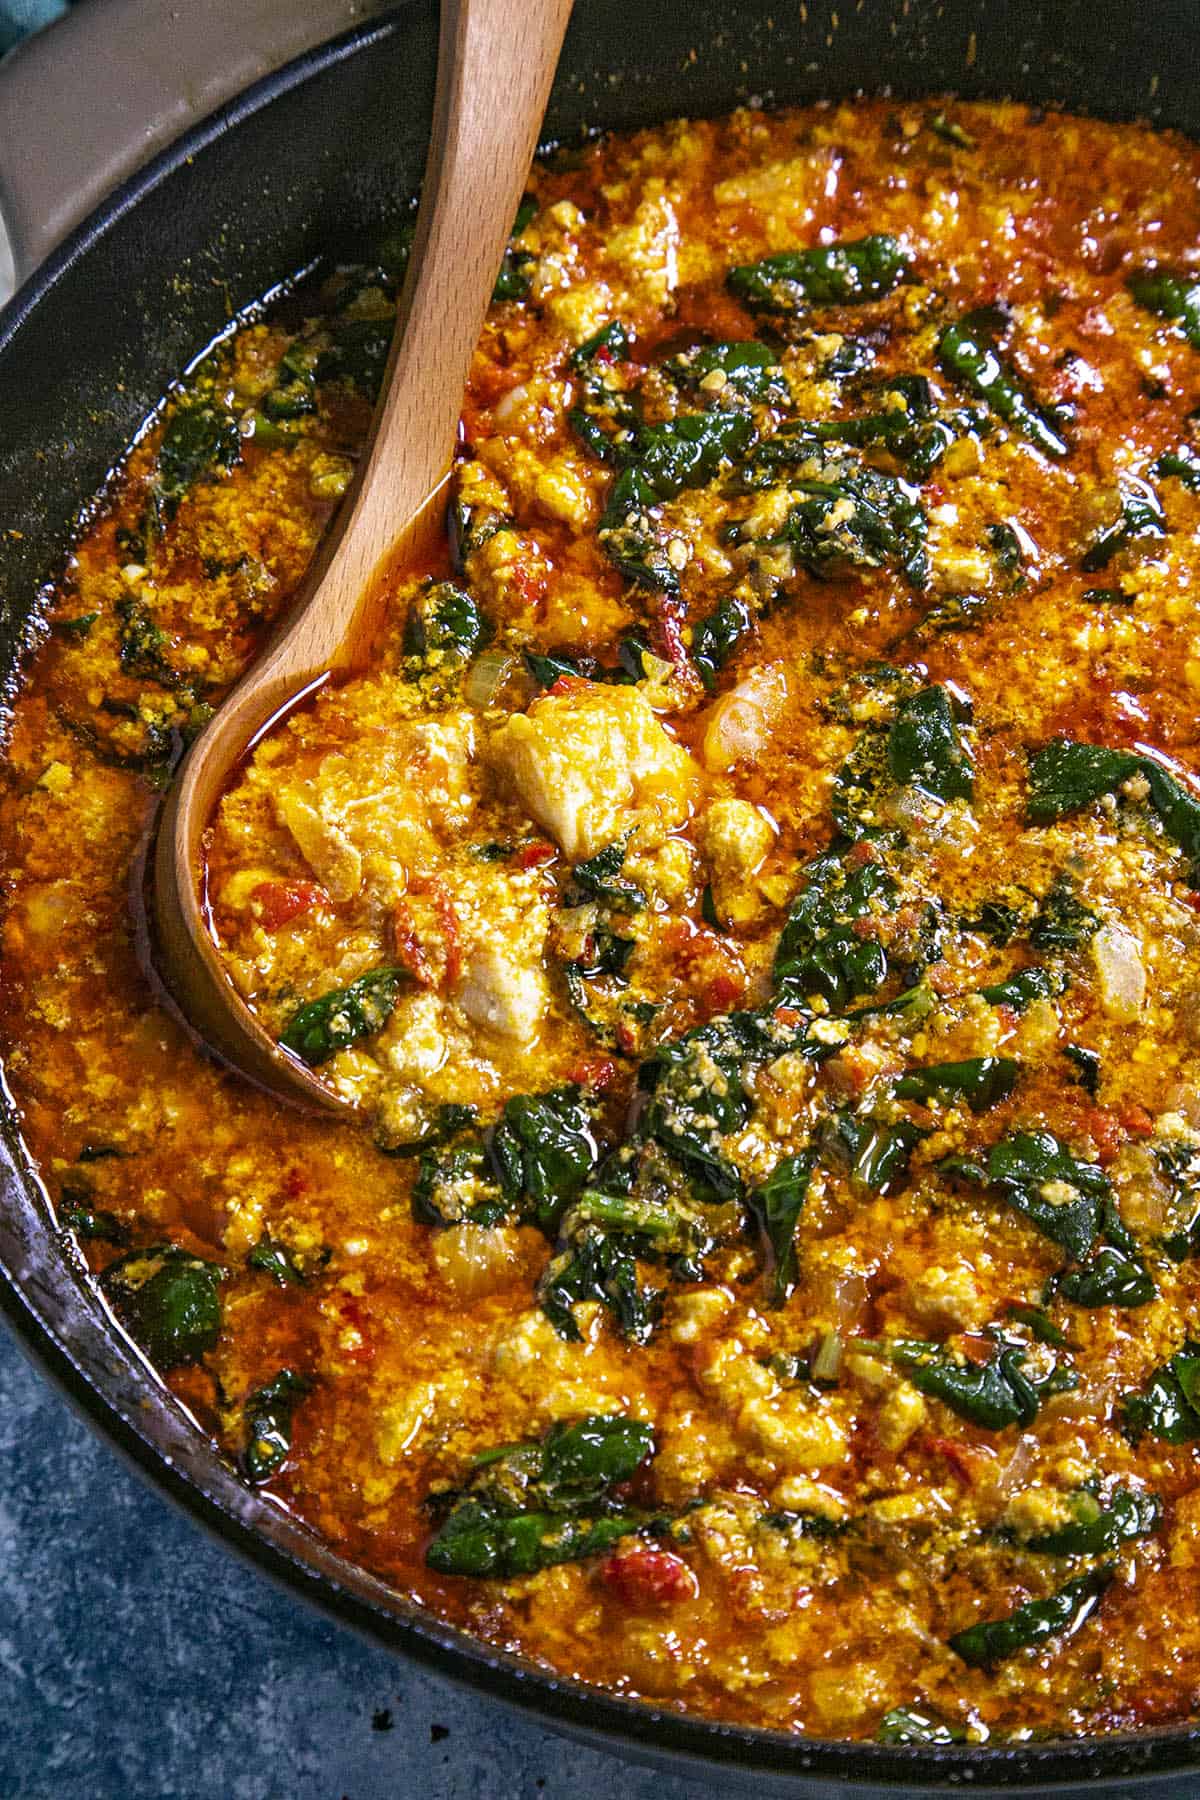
(495,66)
(496,63)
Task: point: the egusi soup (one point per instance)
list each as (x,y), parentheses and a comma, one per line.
(752,902)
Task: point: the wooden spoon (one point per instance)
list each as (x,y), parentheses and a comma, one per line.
(496,61)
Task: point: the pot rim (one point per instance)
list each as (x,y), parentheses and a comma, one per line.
(113,1388)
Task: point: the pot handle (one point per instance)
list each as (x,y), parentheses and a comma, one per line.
(86,102)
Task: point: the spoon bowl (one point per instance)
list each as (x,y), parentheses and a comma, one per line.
(496,62)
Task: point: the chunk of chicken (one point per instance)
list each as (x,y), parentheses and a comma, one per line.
(378,805)
(593,762)
(504,921)
(735,837)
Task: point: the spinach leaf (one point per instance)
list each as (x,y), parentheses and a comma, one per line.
(275,1260)
(528,1506)
(1108,596)
(168,1300)
(967,351)
(547,668)
(200,440)
(612,343)
(92,1224)
(516,265)
(793,1524)
(1039,1178)
(925,750)
(478,1541)
(471,527)
(1183,463)
(745,370)
(357,353)
(992,1395)
(322,1027)
(1088,1064)
(1140,515)
(608,959)
(294,395)
(543,1150)
(458,1189)
(427,1127)
(76,628)
(1172,294)
(268,1413)
(1039,1324)
(951,132)
(1022,989)
(982,1081)
(1177,808)
(875,1154)
(819,952)
(663,460)
(581,1461)
(998,922)
(599,879)
(638,550)
(905,1725)
(848,516)
(775,1207)
(916,434)
(718,635)
(830,275)
(141,643)
(1060,1615)
(1179,1164)
(863,787)
(698,1098)
(1097,1529)
(604,1268)
(444,624)
(1168,1407)
(1066,776)
(1113,1277)
(1062,921)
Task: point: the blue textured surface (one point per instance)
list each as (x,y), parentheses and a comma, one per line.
(139,1661)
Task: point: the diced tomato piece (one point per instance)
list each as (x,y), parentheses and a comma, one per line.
(867,927)
(295,1183)
(529,583)
(535,854)
(276,903)
(957,1455)
(1136,1120)
(1105,1132)
(641,1576)
(862,853)
(448,924)
(405,947)
(722,991)
(593,1072)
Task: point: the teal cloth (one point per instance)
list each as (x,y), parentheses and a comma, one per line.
(19,17)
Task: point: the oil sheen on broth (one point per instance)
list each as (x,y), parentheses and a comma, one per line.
(753,902)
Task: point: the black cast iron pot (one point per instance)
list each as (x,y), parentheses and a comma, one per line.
(294,168)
